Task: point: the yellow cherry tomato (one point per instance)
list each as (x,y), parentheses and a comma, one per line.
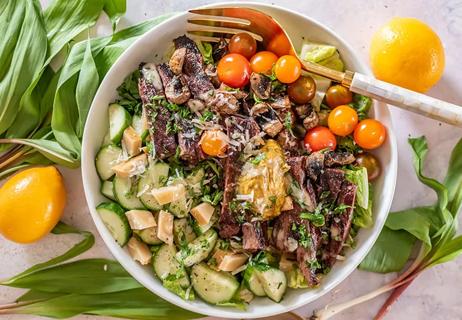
(31,204)
(342,120)
(287,69)
(263,62)
(370,134)
(214,143)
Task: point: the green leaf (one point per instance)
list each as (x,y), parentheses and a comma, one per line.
(115,9)
(453,180)
(90,276)
(35,295)
(362,105)
(447,252)
(390,252)
(86,88)
(131,304)
(79,248)
(23,53)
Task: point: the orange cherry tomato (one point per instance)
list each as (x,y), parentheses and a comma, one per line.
(214,143)
(342,120)
(263,62)
(234,70)
(320,138)
(243,43)
(287,69)
(280,45)
(370,134)
(338,95)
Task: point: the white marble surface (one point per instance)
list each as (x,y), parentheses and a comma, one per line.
(437,293)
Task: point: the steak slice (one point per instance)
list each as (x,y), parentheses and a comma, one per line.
(254,236)
(341,223)
(331,180)
(297,170)
(314,165)
(175,87)
(188,141)
(150,86)
(198,82)
(235,126)
(294,234)
(340,158)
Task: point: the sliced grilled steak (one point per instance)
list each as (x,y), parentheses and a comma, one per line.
(297,170)
(331,180)
(341,223)
(235,127)
(188,141)
(314,165)
(149,86)
(260,85)
(198,81)
(219,50)
(340,158)
(177,60)
(175,87)
(293,234)
(254,236)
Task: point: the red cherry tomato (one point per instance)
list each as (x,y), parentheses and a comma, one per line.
(280,45)
(320,138)
(243,43)
(342,120)
(263,62)
(234,70)
(370,134)
(287,69)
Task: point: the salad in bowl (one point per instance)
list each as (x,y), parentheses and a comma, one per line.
(236,174)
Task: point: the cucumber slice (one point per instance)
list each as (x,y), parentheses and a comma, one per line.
(105,159)
(194,180)
(125,193)
(106,140)
(274,282)
(107,190)
(166,265)
(213,286)
(116,222)
(180,208)
(198,249)
(154,177)
(183,233)
(252,282)
(119,120)
(149,236)
(140,125)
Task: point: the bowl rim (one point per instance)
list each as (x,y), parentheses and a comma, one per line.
(216,310)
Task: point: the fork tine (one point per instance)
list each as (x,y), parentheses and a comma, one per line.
(204,38)
(198,29)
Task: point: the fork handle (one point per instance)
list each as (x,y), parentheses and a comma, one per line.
(407,99)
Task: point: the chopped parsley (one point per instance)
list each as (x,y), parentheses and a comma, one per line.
(316,219)
(129,94)
(257,159)
(304,239)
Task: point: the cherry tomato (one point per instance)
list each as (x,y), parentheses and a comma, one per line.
(342,120)
(263,61)
(243,43)
(371,163)
(234,70)
(287,69)
(280,45)
(303,90)
(214,143)
(370,134)
(338,95)
(320,138)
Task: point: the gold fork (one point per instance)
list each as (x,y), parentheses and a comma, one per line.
(211,24)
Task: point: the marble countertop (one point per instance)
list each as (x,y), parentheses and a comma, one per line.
(437,293)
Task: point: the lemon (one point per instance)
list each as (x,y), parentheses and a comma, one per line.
(31,204)
(408,53)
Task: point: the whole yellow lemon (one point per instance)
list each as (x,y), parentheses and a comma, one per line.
(31,204)
(408,53)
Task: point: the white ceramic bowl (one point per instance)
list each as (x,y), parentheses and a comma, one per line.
(152,47)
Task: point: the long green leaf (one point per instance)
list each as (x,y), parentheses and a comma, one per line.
(86,88)
(77,249)
(137,303)
(447,252)
(90,276)
(390,252)
(453,180)
(115,9)
(22,25)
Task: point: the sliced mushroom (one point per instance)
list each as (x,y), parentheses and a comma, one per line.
(259,109)
(302,110)
(281,102)
(332,158)
(223,102)
(260,85)
(273,127)
(195,105)
(177,60)
(239,94)
(175,86)
(211,72)
(220,49)
(311,120)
